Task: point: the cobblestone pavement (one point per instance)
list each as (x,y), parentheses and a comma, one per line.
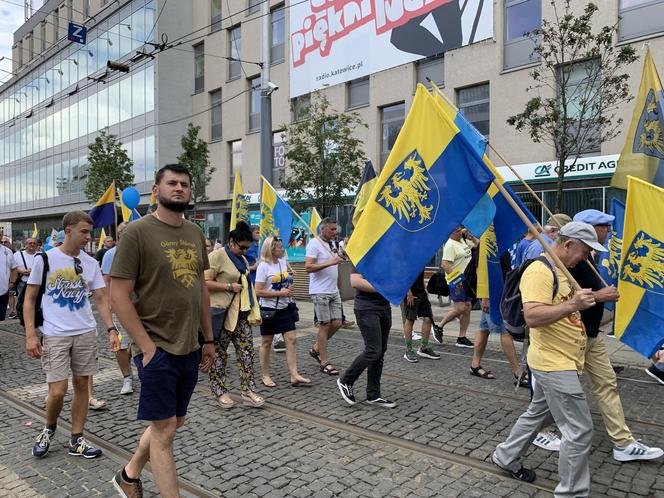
(308,442)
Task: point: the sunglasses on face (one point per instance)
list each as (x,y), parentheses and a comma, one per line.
(243,248)
(77,266)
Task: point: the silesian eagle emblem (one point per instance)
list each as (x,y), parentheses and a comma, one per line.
(648,138)
(643,264)
(410,194)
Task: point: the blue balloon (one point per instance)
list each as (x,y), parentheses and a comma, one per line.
(131,197)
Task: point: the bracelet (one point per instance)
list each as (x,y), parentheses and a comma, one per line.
(208,342)
(229,287)
(110,329)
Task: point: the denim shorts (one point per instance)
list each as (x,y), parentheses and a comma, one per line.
(458,294)
(487,324)
(167,383)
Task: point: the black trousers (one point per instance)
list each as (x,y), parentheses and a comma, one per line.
(375,328)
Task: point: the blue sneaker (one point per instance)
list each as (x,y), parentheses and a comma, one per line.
(84,449)
(43,443)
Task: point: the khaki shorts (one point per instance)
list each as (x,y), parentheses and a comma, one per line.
(327,307)
(125,340)
(78,352)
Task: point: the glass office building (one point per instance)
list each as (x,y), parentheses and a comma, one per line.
(50,114)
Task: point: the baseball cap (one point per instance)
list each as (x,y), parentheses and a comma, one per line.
(584,232)
(558,220)
(594,217)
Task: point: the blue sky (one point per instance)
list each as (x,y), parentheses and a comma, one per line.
(11,17)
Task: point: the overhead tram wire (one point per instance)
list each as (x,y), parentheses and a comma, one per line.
(154,25)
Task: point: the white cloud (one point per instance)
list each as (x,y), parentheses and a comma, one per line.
(11,18)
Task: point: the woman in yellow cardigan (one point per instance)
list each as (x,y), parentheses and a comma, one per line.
(234,309)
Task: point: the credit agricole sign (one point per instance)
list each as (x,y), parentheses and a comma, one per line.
(585,167)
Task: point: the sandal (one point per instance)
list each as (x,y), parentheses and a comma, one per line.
(271,386)
(481,372)
(301,383)
(256,401)
(96,404)
(328,369)
(314,354)
(226,405)
(522,380)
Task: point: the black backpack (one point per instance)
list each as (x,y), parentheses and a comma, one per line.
(511,306)
(39,315)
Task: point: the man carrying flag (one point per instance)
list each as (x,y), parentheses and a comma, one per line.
(643,153)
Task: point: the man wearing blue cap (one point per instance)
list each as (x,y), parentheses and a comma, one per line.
(597,364)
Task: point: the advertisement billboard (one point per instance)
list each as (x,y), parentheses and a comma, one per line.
(334,41)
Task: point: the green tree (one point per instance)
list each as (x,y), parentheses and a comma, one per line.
(580,85)
(324,155)
(108,161)
(196,157)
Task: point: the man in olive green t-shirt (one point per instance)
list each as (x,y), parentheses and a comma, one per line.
(160,297)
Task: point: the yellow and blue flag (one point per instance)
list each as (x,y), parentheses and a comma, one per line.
(276,214)
(643,153)
(639,321)
(609,262)
(35,232)
(127,214)
(240,208)
(102,238)
(103,212)
(506,225)
(431,181)
(152,205)
(314,220)
(364,189)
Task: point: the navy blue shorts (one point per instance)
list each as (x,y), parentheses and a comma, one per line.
(167,383)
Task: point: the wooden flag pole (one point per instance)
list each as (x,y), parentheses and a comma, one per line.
(521,179)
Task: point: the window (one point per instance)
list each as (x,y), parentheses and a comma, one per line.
(235,52)
(391,121)
(473,102)
(215,115)
(215,16)
(277,34)
(42,36)
(279,158)
(357,93)
(255,103)
(300,107)
(56,25)
(235,164)
(254,6)
(583,100)
(431,67)
(199,68)
(521,17)
(640,18)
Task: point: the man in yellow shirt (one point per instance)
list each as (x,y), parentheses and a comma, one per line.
(555,357)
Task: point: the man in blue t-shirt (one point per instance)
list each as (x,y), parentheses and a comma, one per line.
(253,253)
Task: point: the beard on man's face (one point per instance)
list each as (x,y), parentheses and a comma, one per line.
(177,206)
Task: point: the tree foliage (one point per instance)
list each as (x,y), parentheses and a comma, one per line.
(324,155)
(108,161)
(580,84)
(196,157)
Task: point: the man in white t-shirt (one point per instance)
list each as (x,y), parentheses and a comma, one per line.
(69,328)
(321,262)
(457,253)
(24,260)
(7,277)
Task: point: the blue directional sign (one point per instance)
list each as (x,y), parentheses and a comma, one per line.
(77,33)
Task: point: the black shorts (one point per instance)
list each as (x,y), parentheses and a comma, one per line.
(167,383)
(421,308)
(281,322)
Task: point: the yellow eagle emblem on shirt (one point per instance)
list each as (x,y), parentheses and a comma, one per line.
(643,264)
(184,265)
(410,194)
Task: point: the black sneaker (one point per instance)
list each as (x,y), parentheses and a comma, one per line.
(385,403)
(428,353)
(523,474)
(279,347)
(437,333)
(346,391)
(84,449)
(655,373)
(463,342)
(40,449)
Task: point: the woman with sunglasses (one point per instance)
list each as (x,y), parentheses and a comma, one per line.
(273,287)
(234,310)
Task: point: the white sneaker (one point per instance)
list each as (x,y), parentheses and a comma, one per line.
(127,386)
(416,336)
(636,451)
(547,441)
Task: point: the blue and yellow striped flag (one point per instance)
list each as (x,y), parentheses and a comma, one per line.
(639,321)
(102,238)
(276,214)
(643,153)
(240,208)
(314,220)
(506,227)
(432,179)
(103,212)
(364,189)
